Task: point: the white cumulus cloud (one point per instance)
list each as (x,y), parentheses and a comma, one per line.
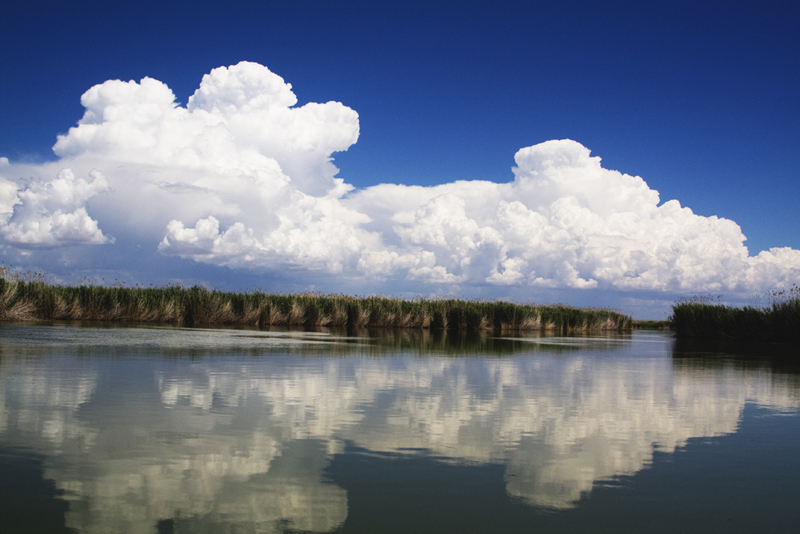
(243,177)
(565,221)
(49,214)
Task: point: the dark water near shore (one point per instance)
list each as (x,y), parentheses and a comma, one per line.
(159,430)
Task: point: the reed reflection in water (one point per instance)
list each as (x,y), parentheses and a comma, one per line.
(148,427)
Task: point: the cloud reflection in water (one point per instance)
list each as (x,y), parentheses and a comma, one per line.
(135,436)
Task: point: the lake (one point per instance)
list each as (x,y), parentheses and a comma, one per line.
(165,430)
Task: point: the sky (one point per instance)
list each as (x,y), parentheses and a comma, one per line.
(621,154)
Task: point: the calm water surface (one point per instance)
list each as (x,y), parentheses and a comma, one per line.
(159,430)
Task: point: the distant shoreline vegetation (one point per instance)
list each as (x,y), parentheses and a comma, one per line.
(703,318)
(29,297)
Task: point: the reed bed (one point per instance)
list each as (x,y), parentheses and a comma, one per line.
(701,317)
(36,300)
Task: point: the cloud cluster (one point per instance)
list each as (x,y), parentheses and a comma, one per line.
(51,214)
(242,177)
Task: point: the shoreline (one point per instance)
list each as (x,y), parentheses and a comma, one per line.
(32,301)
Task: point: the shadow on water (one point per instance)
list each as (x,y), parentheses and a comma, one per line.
(721,354)
(194,343)
(29,503)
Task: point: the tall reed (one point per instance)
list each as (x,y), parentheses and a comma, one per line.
(26,299)
(701,317)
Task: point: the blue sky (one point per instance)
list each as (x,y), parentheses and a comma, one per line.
(699,99)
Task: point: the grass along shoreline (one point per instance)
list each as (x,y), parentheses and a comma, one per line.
(702,318)
(34,299)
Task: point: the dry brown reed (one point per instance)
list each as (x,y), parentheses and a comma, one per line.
(27,298)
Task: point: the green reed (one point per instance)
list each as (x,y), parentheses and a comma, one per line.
(702,317)
(30,297)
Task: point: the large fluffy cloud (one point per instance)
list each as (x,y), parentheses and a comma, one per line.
(242,177)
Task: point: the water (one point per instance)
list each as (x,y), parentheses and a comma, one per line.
(162,430)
